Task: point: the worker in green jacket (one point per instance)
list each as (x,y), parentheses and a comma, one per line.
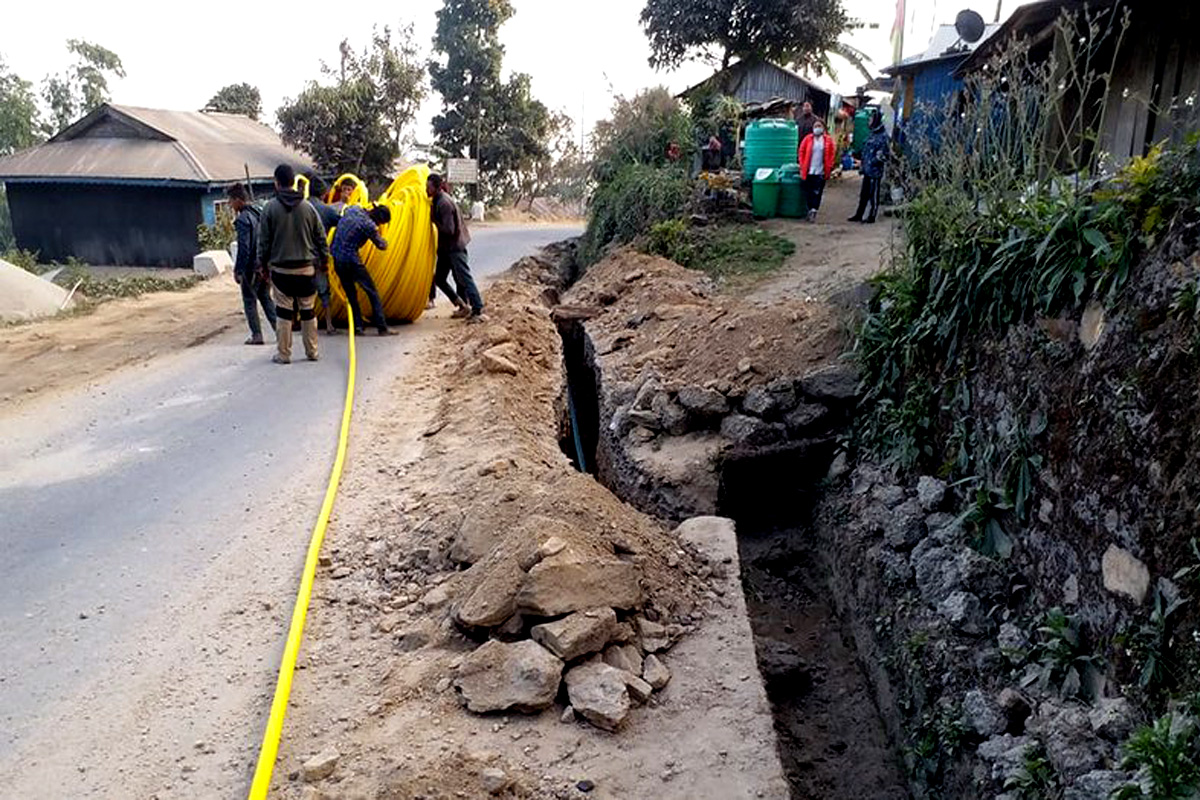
(291,242)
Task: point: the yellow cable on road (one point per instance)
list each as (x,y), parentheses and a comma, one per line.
(283,686)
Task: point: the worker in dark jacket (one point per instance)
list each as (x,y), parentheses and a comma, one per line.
(806,120)
(291,242)
(329,219)
(874,159)
(355,229)
(453,239)
(256,288)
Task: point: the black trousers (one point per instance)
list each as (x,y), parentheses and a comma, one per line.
(814,187)
(352,276)
(441,280)
(868,197)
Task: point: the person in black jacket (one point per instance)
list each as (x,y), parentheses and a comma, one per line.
(329,218)
(256,286)
(453,238)
(291,243)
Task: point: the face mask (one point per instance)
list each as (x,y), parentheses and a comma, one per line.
(818,131)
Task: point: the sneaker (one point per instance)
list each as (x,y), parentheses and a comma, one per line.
(331,331)
(462,312)
(430,306)
(478,316)
(855,218)
(869,220)
(812,216)
(386,332)
(359,331)
(252,339)
(312,356)
(278,359)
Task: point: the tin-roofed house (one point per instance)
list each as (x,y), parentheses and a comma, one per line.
(928,84)
(130,185)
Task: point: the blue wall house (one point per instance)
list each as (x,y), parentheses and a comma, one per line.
(926,84)
(1154,84)
(129,186)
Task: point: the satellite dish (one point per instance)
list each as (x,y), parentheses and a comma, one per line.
(970,26)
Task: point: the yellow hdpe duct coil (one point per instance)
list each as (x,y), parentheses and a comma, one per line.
(403,273)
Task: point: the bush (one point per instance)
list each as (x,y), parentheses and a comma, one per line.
(1006,221)
(628,205)
(218,235)
(641,130)
(25,259)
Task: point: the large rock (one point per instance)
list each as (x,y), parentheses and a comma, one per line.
(904,527)
(1113,718)
(771,400)
(703,404)
(212,263)
(490,587)
(1097,784)
(963,611)
(930,492)
(655,673)
(578,634)
(752,431)
(1072,748)
(981,715)
(671,415)
(1006,754)
(832,385)
(523,676)
(806,418)
(599,694)
(624,657)
(709,537)
(942,570)
(566,582)
(1124,574)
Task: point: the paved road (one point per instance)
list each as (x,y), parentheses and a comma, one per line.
(153,524)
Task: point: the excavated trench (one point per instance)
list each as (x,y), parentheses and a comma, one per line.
(831,735)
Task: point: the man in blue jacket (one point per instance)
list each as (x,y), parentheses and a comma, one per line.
(355,229)
(256,288)
(874,159)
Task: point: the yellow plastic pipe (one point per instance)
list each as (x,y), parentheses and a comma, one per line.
(403,273)
(287,667)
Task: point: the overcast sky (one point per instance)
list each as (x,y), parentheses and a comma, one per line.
(578,53)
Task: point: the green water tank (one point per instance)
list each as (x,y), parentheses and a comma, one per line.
(765,193)
(769,143)
(791,192)
(862,130)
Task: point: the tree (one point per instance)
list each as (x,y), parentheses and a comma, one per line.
(19,127)
(358,123)
(498,122)
(84,85)
(237,98)
(468,79)
(795,32)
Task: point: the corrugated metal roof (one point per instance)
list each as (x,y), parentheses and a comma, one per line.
(944,38)
(129,143)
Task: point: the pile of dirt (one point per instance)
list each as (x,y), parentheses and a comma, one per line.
(477,568)
(688,381)
(676,312)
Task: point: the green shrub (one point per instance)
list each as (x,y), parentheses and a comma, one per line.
(1062,659)
(640,131)
(218,235)
(637,197)
(25,259)
(1166,755)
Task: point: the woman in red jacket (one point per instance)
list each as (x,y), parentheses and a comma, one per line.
(817,154)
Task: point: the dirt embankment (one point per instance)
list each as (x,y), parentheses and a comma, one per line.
(56,354)
(461,521)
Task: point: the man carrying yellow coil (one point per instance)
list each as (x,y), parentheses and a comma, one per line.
(291,242)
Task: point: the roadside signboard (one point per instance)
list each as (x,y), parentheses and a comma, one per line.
(462,170)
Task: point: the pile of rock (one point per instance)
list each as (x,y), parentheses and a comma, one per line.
(780,410)
(560,609)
